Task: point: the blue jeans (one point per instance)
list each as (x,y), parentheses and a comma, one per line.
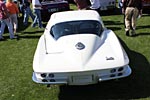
(27,13)
(7,22)
(37,18)
(21,9)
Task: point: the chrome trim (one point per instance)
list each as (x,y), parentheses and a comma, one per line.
(36,80)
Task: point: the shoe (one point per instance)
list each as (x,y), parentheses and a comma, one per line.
(41,27)
(133,33)
(25,24)
(127,33)
(1,39)
(15,37)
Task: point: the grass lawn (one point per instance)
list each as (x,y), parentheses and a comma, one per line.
(16,68)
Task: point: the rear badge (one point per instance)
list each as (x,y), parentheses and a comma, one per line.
(80,46)
(110,58)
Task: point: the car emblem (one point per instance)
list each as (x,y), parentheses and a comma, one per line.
(80,46)
(110,58)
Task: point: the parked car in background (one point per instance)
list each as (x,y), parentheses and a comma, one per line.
(108,4)
(51,6)
(71,1)
(146,6)
(76,49)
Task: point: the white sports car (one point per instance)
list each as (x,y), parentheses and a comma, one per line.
(76,49)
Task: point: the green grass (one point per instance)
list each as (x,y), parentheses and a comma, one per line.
(16,68)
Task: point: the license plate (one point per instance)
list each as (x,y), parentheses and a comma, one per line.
(52,10)
(82,79)
(103,8)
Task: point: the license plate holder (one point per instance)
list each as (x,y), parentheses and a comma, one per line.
(52,10)
(83,79)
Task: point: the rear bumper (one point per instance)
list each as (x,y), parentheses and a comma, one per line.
(83,78)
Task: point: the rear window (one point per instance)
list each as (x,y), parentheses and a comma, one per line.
(76,27)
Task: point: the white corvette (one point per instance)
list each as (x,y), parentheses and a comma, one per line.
(76,49)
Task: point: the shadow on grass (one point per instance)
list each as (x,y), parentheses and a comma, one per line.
(135,86)
(29,37)
(21,27)
(142,34)
(109,25)
(141,27)
(113,23)
(114,28)
(34,32)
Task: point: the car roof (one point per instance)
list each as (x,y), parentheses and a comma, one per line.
(74,15)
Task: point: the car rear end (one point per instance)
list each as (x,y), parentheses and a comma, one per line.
(107,4)
(146,6)
(50,7)
(82,77)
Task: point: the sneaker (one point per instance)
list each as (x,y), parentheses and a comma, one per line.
(41,27)
(17,37)
(133,33)
(13,38)
(1,39)
(127,33)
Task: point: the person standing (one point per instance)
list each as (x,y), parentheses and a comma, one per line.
(95,5)
(13,11)
(120,5)
(27,12)
(131,9)
(37,10)
(81,4)
(5,20)
(21,7)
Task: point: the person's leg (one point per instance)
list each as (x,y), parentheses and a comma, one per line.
(134,19)
(31,14)
(26,17)
(10,27)
(21,9)
(35,19)
(39,18)
(14,22)
(128,14)
(2,28)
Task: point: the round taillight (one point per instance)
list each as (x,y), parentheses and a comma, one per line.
(120,74)
(44,80)
(113,70)
(52,80)
(113,2)
(112,75)
(120,69)
(43,75)
(51,75)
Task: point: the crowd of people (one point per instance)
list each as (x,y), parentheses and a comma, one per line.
(130,8)
(9,13)
(8,18)
(88,5)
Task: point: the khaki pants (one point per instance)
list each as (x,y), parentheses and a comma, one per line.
(131,15)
